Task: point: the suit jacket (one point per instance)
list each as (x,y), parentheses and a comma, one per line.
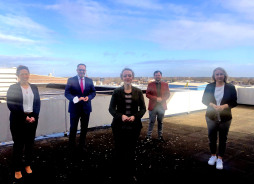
(73,89)
(117,106)
(151,93)
(229,97)
(15,103)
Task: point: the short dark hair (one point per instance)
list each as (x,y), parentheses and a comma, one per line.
(21,67)
(121,75)
(157,71)
(81,64)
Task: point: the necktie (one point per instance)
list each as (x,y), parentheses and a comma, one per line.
(81,84)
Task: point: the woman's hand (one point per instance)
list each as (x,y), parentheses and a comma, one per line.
(132,118)
(219,107)
(125,118)
(222,107)
(30,120)
(128,119)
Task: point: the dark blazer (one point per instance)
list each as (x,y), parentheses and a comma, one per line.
(73,89)
(151,93)
(117,106)
(229,97)
(15,102)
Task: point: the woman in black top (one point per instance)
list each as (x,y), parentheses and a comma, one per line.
(127,107)
(219,97)
(23,101)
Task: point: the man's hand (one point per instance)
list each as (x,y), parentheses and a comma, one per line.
(85,99)
(159,99)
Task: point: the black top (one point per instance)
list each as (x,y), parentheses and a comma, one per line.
(117,106)
(15,102)
(229,97)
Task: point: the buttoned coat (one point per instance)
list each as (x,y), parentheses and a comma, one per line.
(73,89)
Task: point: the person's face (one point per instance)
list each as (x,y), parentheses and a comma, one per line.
(157,76)
(81,70)
(127,77)
(219,76)
(23,75)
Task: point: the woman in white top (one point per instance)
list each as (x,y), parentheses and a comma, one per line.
(23,101)
(219,97)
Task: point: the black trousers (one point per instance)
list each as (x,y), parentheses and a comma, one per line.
(125,146)
(215,127)
(23,135)
(74,120)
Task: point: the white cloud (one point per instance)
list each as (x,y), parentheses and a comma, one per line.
(23,26)
(189,34)
(147,4)
(116,19)
(14,39)
(245,7)
(153,5)
(81,12)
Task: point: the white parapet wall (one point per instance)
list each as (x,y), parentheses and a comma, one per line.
(54,116)
(245,96)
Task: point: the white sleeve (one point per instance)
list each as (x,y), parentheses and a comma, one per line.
(75,100)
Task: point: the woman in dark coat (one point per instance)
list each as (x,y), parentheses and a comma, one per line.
(23,101)
(127,107)
(219,97)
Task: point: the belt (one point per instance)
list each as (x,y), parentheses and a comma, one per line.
(28,112)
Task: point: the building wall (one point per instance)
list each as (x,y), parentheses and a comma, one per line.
(7,78)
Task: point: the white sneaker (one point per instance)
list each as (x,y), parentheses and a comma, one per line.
(212,160)
(219,164)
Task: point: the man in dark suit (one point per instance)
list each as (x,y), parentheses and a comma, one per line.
(79,91)
(158,93)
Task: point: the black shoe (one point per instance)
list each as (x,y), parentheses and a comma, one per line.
(131,180)
(161,139)
(82,149)
(18,181)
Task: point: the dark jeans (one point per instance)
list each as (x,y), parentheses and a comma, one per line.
(125,145)
(74,120)
(23,135)
(158,112)
(213,128)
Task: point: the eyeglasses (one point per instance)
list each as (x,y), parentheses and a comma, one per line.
(81,70)
(128,75)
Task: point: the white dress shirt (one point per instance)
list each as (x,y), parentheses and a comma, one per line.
(28,99)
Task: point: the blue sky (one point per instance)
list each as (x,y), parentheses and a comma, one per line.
(180,38)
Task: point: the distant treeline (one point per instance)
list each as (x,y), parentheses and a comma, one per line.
(234,80)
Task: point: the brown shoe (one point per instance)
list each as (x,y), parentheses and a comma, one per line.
(18,175)
(28,170)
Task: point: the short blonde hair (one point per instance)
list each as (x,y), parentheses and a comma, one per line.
(224,73)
